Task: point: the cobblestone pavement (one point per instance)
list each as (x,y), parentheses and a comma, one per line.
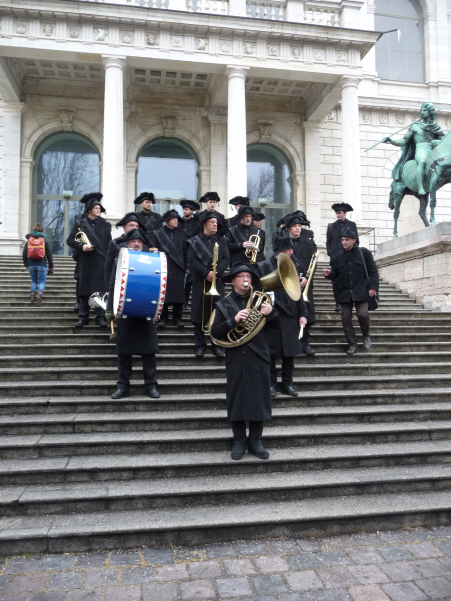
(400,565)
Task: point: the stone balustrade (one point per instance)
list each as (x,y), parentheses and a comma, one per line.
(219,7)
(260,9)
(319,15)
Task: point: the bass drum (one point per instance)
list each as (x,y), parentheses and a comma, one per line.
(140,285)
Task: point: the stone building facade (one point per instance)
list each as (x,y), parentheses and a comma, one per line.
(107,94)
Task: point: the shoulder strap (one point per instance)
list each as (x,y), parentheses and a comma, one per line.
(364,264)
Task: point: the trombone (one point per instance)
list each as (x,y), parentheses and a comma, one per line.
(212,292)
(251,253)
(309,275)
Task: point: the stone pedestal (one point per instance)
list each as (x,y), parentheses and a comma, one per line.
(420,264)
(236,133)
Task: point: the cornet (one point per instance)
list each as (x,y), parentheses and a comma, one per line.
(83,238)
(251,252)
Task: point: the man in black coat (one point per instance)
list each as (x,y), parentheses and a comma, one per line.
(91,259)
(135,336)
(303,249)
(284,342)
(333,238)
(248,365)
(211,200)
(348,268)
(238,238)
(148,218)
(257,222)
(171,239)
(129,222)
(200,255)
(191,226)
(237,202)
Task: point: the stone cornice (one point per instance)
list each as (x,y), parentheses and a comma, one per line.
(441,245)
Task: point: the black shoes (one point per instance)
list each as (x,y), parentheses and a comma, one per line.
(101,322)
(162,324)
(352,349)
(82,322)
(273,392)
(120,394)
(288,389)
(217,351)
(308,351)
(179,323)
(366,342)
(153,392)
(337,307)
(239,440)
(255,444)
(200,352)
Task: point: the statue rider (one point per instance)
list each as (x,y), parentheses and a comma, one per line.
(418,142)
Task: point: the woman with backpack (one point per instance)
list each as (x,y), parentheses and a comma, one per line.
(37,258)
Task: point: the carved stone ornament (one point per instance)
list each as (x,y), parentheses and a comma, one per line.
(273,50)
(152,39)
(74,32)
(296,52)
(21,27)
(100,34)
(127,37)
(177,42)
(319,55)
(201,43)
(265,129)
(332,116)
(383,119)
(66,116)
(47,29)
(366,117)
(225,47)
(341,57)
(249,48)
(169,125)
(400,119)
(448,122)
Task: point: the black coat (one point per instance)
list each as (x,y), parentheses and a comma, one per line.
(247,366)
(91,265)
(201,265)
(174,244)
(135,335)
(347,266)
(48,257)
(112,253)
(151,221)
(310,237)
(303,251)
(238,234)
(284,341)
(191,227)
(333,235)
(222,226)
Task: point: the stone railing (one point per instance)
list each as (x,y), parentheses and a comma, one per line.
(318,15)
(142,3)
(260,9)
(218,7)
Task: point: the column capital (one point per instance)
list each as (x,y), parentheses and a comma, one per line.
(350,81)
(111,60)
(13,107)
(234,71)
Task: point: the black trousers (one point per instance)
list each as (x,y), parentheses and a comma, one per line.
(336,291)
(177,311)
(83,311)
(363,317)
(305,340)
(77,290)
(124,370)
(188,287)
(199,337)
(287,371)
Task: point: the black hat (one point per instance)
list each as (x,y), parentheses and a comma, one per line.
(342,206)
(144,196)
(191,204)
(238,268)
(349,232)
(282,221)
(135,235)
(246,211)
(170,215)
(300,214)
(130,217)
(239,200)
(259,216)
(91,200)
(209,196)
(206,215)
(293,220)
(281,242)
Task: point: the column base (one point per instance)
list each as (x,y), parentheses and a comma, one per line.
(11,244)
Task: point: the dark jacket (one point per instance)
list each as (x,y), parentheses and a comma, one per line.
(284,341)
(222,227)
(151,221)
(200,255)
(347,266)
(48,257)
(238,234)
(112,253)
(302,255)
(135,335)
(310,237)
(247,366)
(91,265)
(174,244)
(191,227)
(333,235)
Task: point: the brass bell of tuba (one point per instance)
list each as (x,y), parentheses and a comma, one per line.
(83,238)
(284,277)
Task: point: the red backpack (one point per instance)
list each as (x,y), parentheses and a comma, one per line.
(36,248)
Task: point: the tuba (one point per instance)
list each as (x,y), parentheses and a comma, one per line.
(284,277)
(251,253)
(83,238)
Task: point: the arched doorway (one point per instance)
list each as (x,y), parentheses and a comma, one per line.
(269,186)
(170,169)
(67,167)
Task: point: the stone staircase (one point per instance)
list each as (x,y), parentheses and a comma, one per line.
(366,444)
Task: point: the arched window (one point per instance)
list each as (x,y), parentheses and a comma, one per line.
(399,56)
(169,168)
(67,167)
(269,185)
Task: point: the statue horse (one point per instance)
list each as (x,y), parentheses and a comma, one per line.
(437,174)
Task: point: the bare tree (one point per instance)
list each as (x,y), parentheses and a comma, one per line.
(75,171)
(261,186)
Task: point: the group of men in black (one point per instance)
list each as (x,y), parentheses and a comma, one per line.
(190,243)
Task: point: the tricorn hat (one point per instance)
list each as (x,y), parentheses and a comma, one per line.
(130,217)
(246,211)
(293,220)
(206,215)
(209,196)
(349,232)
(300,214)
(136,234)
(282,221)
(91,200)
(239,200)
(191,204)
(144,196)
(239,268)
(342,206)
(281,242)
(259,216)
(171,214)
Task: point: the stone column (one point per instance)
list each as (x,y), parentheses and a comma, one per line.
(10,242)
(312,179)
(113,137)
(351,191)
(218,157)
(236,133)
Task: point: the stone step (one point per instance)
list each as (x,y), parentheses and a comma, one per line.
(173,418)
(196,525)
(114,443)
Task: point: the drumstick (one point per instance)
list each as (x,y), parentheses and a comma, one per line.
(112,326)
(301,332)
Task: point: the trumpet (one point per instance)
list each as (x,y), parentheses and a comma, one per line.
(309,274)
(212,292)
(251,252)
(83,238)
